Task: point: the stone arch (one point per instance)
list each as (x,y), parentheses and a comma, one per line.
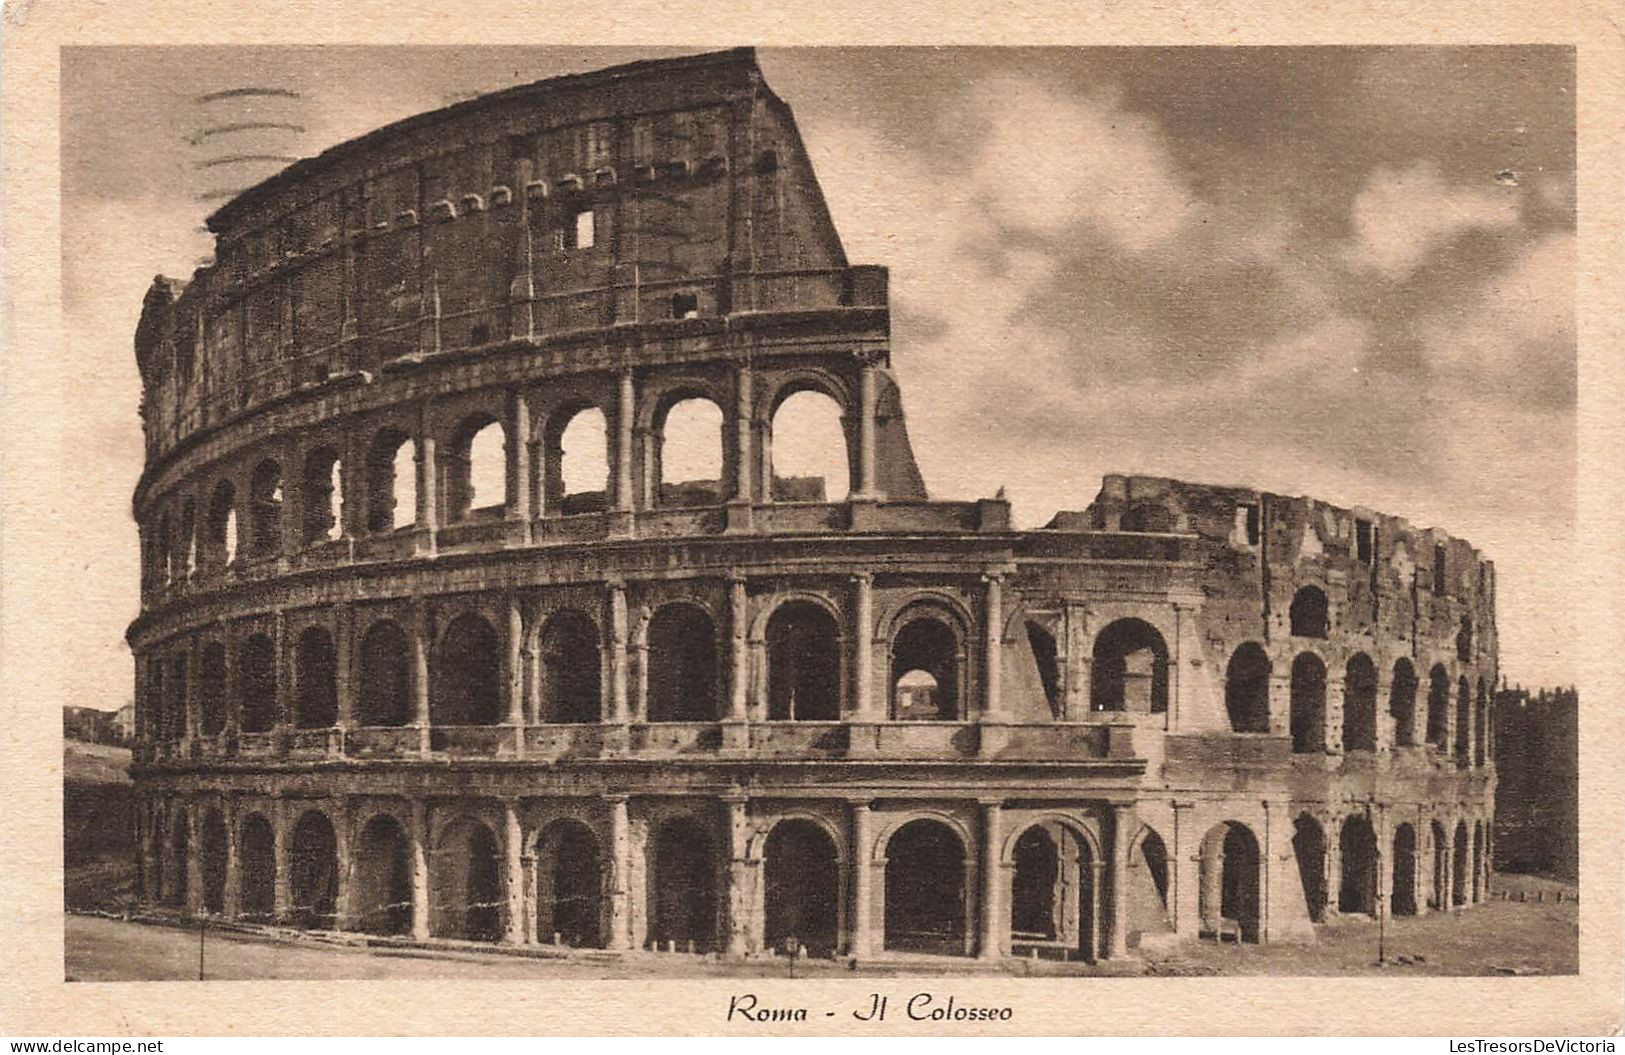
(316,696)
(213,689)
(926,888)
(803,645)
(1309,848)
(810,455)
(381,877)
(1129,671)
(1310,614)
(683,885)
(265,498)
(320,488)
(385,695)
(213,842)
(476,467)
(465,880)
(1308,706)
(313,866)
(1053,900)
(391,480)
(569,884)
(570,660)
(466,684)
(1402,702)
(802,887)
(577,471)
(257,684)
(1359,704)
(1438,707)
(1247,689)
(256,865)
(704,460)
(1402,899)
(1231,880)
(1360,861)
(928,661)
(682,664)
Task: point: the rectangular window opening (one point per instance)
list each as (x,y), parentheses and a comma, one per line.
(1247,522)
(585,229)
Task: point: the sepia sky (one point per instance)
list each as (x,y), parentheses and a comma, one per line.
(1342,272)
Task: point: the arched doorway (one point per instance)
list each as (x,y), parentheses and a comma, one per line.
(1402,901)
(1130,669)
(925,889)
(569,885)
(467,883)
(213,845)
(1402,703)
(381,878)
(313,876)
(386,676)
(317,697)
(1230,873)
(1309,847)
(570,676)
(802,888)
(1309,614)
(1052,897)
(1360,704)
(1308,704)
(256,684)
(925,671)
(682,659)
(1247,689)
(1458,878)
(803,664)
(682,893)
(1357,850)
(256,867)
(467,674)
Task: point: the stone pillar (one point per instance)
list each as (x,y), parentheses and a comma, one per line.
(234,698)
(739,649)
(282,894)
(1124,819)
(741,876)
(742,436)
(282,720)
(993,648)
(619,711)
(151,891)
(194,859)
(1333,726)
(340,809)
(513,876)
(866,432)
(620,874)
(418,836)
(233,893)
(640,668)
(1184,868)
(992,901)
(352,481)
(513,664)
(1384,887)
(344,665)
(863,633)
(428,484)
(859,944)
(626,410)
(517,463)
(194,704)
(1075,645)
(421,634)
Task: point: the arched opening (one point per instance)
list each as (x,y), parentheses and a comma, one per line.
(1309,614)
(682,658)
(265,508)
(181,847)
(256,868)
(1308,704)
(682,893)
(803,664)
(925,889)
(1402,703)
(925,671)
(1052,900)
(467,673)
(1130,669)
(1229,901)
(476,469)
(256,684)
(313,877)
(391,481)
(803,884)
(381,878)
(1464,717)
(688,447)
(212,846)
(578,467)
(220,529)
(809,450)
(316,669)
(319,495)
(1309,848)
(1440,895)
(1357,850)
(1247,689)
(1359,704)
(467,883)
(1464,639)
(1478,862)
(1402,899)
(386,675)
(1438,706)
(1481,725)
(571,682)
(1458,878)
(568,886)
(212,688)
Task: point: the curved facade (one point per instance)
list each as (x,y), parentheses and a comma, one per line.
(437,640)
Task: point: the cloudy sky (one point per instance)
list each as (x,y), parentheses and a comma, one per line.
(1344,272)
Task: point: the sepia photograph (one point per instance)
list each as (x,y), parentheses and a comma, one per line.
(873,528)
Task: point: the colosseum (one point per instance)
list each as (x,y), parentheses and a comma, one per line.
(400,671)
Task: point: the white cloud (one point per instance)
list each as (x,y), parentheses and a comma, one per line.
(1402,215)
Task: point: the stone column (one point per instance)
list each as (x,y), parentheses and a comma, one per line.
(626,411)
(1333,716)
(1184,865)
(742,437)
(194,703)
(739,649)
(344,666)
(517,463)
(619,711)
(421,633)
(352,481)
(282,720)
(194,859)
(992,902)
(428,484)
(282,894)
(234,698)
(620,873)
(863,633)
(741,885)
(1124,818)
(866,432)
(233,894)
(340,809)
(993,648)
(640,668)
(418,836)
(513,668)
(859,920)
(513,876)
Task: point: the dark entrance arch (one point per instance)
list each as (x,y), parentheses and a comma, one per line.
(381,897)
(925,671)
(317,682)
(467,674)
(1458,878)
(925,889)
(386,675)
(1130,669)
(802,880)
(1309,847)
(803,664)
(1402,902)
(1052,896)
(1308,704)
(683,887)
(313,876)
(256,865)
(1230,876)
(682,658)
(570,676)
(569,884)
(1357,850)
(256,684)
(1360,704)
(212,845)
(1247,689)
(467,872)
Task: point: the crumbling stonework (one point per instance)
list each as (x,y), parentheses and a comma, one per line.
(744,712)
